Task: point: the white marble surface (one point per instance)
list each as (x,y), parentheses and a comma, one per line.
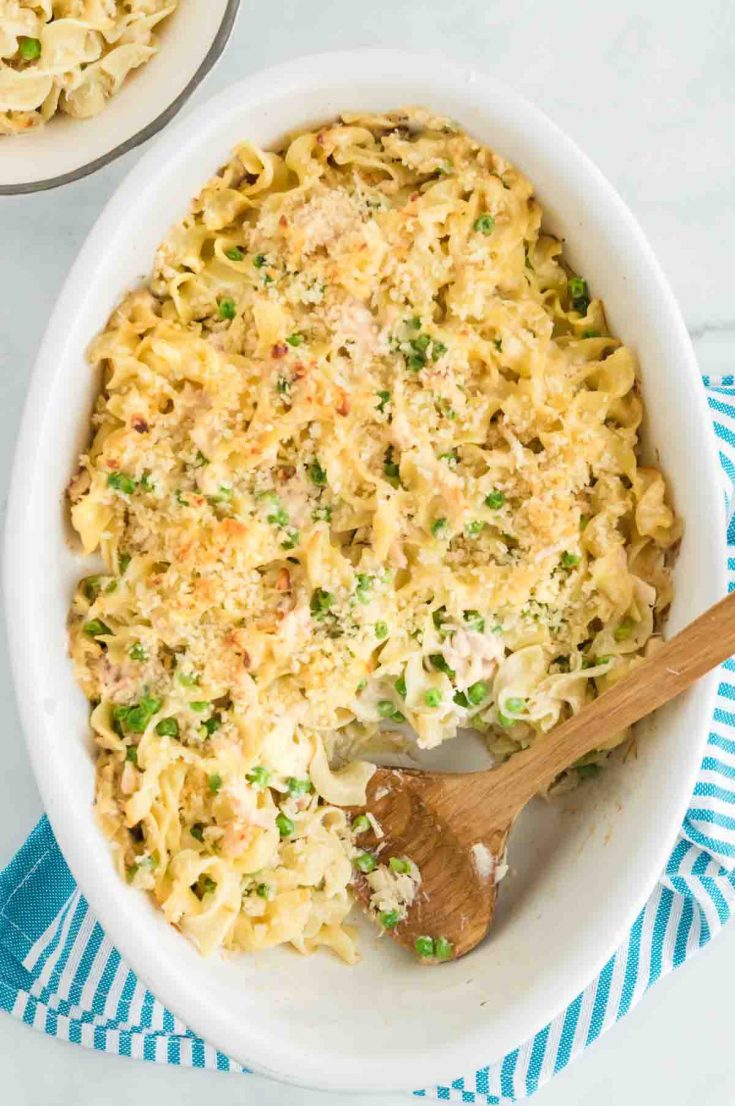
(648,90)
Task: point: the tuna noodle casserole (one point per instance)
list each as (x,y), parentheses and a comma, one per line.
(364,455)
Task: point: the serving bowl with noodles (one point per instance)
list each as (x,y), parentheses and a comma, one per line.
(366,455)
(83,81)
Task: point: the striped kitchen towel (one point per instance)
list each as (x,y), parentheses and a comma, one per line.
(60,974)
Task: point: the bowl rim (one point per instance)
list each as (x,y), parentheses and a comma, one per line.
(219,42)
(268,1057)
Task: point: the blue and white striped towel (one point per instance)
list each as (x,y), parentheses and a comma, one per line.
(60,974)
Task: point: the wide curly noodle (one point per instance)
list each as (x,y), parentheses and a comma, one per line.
(70,55)
(364,455)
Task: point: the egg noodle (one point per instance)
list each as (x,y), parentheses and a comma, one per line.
(70,55)
(364,455)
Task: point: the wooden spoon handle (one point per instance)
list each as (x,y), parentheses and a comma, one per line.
(708,641)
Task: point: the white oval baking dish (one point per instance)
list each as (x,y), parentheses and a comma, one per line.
(581,868)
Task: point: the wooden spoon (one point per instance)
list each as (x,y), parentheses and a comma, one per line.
(454,827)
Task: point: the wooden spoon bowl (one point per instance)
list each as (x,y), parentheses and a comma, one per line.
(454,827)
(459,866)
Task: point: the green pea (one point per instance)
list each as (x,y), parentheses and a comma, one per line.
(438,527)
(400,686)
(484,223)
(438,349)
(295,339)
(438,662)
(284,824)
(200,705)
(433,697)
(389,919)
(197,831)
(211,725)
(96,628)
(424,946)
(226,309)
(381,630)
(515,706)
(136,718)
(472,529)
(131,754)
(386,708)
(364,585)
(317,474)
(399,865)
(443,948)
(361,824)
(495,500)
(137,652)
(263,890)
(168,727)
(366,862)
(91,587)
(478,692)
(258,776)
(570,560)
(235,254)
(29,48)
(297,786)
(579,294)
(214,782)
(624,629)
(259,260)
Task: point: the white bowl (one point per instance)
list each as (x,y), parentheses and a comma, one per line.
(581,868)
(191,41)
